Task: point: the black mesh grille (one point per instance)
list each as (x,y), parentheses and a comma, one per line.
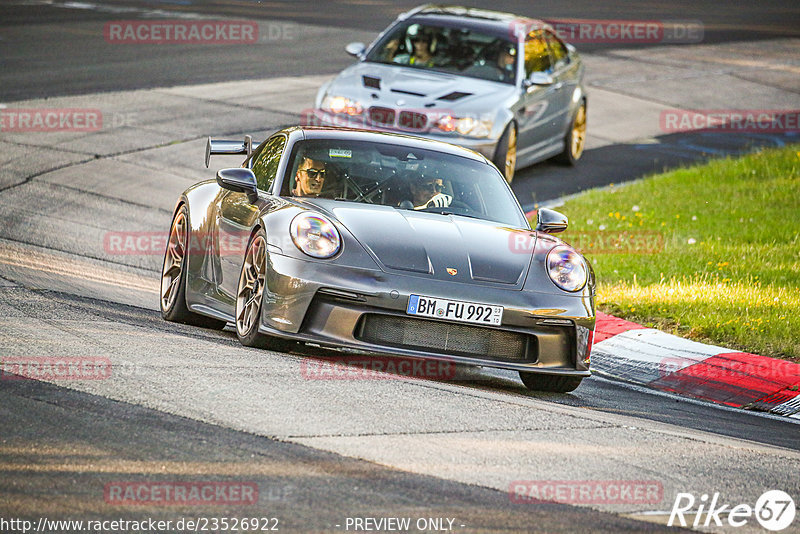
(411,120)
(445,338)
(379,115)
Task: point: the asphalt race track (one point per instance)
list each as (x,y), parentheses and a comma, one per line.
(186,405)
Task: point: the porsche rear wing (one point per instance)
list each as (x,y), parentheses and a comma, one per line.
(217,147)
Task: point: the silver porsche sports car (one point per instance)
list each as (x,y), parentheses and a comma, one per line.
(381,243)
(502,85)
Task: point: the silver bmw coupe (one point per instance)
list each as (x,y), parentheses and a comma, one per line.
(502,85)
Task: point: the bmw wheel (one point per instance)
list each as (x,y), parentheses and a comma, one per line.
(505,157)
(575,138)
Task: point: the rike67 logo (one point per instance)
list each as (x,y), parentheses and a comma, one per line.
(774,510)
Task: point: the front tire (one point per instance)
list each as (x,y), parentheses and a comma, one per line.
(505,157)
(575,138)
(554,383)
(250,297)
(173,277)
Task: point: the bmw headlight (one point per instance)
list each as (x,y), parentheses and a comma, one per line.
(566,268)
(342,104)
(466,126)
(315,235)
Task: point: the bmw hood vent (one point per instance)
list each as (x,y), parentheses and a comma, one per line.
(372,82)
(407,92)
(455,95)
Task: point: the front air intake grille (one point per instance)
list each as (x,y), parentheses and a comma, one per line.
(445,338)
(382,116)
(411,120)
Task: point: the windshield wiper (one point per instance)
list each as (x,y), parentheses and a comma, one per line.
(442,211)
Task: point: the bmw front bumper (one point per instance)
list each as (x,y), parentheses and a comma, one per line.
(484,146)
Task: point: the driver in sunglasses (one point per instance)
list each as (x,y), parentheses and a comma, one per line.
(310,178)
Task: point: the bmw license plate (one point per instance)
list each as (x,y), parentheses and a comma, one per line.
(454,310)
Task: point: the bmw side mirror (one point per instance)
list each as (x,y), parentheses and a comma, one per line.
(355,49)
(550,221)
(540,78)
(239,180)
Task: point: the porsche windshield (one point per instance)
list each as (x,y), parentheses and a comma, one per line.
(457,50)
(401,176)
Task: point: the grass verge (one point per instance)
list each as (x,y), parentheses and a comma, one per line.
(710,252)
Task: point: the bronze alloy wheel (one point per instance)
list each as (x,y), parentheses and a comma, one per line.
(173,262)
(505,156)
(511,155)
(574,137)
(578,133)
(251,287)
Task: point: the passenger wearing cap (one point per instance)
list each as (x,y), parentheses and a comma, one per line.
(499,65)
(506,61)
(426,192)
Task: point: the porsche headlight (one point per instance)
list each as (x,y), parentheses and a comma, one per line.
(342,104)
(566,268)
(315,235)
(466,126)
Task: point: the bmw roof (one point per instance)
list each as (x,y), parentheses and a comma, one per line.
(493,22)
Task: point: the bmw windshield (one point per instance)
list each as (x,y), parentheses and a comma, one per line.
(460,51)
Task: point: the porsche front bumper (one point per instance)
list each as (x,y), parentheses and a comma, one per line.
(365,310)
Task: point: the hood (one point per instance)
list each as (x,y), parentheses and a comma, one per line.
(374,84)
(430,244)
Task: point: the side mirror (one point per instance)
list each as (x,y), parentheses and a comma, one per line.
(540,78)
(239,180)
(550,221)
(355,49)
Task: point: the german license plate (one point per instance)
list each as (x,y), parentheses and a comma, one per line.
(454,310)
